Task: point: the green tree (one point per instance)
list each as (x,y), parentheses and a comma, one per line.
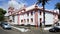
(2,13)
(57,6)
(43,2)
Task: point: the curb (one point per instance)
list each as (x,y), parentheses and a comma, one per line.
(47,28)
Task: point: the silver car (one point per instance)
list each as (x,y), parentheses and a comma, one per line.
(6,25)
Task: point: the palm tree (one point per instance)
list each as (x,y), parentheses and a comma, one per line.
(43,2)
(57,6)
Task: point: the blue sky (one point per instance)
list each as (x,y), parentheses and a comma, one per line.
(50,5)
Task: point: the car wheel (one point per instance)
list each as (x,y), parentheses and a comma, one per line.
(4,28)
(55,31)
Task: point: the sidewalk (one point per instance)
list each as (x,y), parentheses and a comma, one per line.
(21,28)
(47,28)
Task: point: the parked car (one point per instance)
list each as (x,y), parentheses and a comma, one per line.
(54,29)
(5,25)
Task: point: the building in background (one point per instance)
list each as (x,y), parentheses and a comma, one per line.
(32,15)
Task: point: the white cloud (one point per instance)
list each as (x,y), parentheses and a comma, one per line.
(22,2)
(13,4)
(17,4)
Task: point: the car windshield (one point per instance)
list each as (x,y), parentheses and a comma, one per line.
(55,27)
(6,24)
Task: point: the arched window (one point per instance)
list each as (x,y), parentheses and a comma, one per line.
(40,12)
(31,13)
(31,19)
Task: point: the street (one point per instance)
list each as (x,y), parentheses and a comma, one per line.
(33,31)
(2,31)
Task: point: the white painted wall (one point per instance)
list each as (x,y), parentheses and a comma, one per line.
(21,17)
(40,16)
(49,18)
(16,20)
(27,17)
(33,16)
(11,18)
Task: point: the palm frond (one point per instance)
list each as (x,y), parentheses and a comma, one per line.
(38,2)
(57,5)
(42,1)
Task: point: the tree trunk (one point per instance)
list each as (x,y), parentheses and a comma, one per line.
(59,15)
(59,11)
(44,14)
